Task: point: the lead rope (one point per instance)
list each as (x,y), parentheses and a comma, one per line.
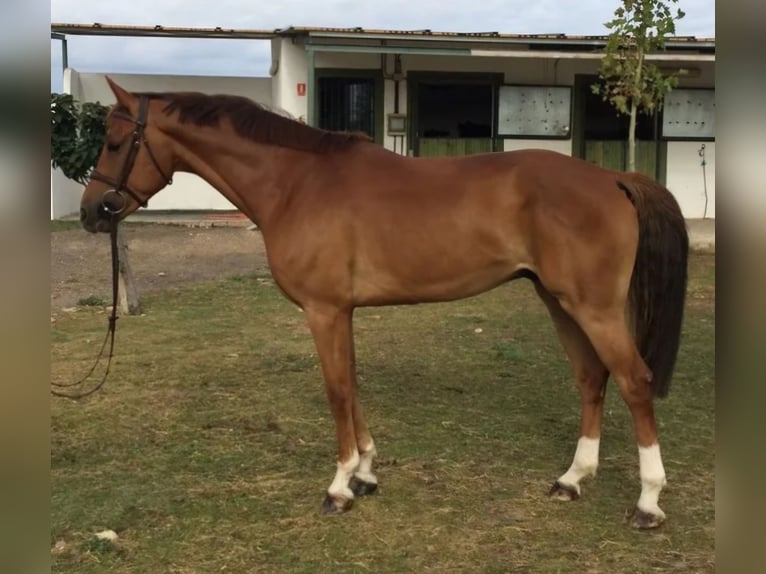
(112,327)
(701,153)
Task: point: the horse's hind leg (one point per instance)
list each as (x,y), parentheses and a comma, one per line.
(591,376)
(607,330)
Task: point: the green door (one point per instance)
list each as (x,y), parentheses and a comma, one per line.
(613,154)
(601,134)
(430,147)
(453,114)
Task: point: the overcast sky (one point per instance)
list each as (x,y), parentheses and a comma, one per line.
(251,57)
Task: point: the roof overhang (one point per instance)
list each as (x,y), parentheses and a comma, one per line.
(415,42)
(388,38)
(531,40)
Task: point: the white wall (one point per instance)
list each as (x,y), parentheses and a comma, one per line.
(188,192)
(293,69)
(65,195)
(276,89)
(685,180)
(561,146)
(93,87)
(684,168)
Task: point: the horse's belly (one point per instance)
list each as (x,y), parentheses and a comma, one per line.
(430,283)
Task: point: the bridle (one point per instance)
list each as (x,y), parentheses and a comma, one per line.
(120,184)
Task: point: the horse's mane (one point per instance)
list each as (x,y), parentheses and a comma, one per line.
(254,121)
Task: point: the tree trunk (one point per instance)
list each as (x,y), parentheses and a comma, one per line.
(634,113)
(632,138)
(127,294)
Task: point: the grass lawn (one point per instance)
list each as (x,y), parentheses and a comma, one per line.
(211,446)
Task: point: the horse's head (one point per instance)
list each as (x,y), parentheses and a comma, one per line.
(135,163)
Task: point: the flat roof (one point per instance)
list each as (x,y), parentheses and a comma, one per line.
(99,29)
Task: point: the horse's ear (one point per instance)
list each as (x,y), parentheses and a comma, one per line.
(124,97)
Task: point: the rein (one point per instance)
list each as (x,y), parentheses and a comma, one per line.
(119,186)
(111,329)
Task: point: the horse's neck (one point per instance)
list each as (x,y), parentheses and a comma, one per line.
(250,175)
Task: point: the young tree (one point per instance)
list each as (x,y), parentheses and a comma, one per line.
(77,135)
(628,81)
(78,131)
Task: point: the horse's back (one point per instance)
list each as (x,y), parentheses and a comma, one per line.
(443,228)
(392,229)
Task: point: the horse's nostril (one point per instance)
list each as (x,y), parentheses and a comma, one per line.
(83,215)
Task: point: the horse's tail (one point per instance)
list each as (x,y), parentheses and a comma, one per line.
(658,285)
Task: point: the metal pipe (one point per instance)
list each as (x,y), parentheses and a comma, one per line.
(527,40)
(388,50)
(587,55)
(311,92)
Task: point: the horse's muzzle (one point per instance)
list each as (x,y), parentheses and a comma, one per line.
(96,219)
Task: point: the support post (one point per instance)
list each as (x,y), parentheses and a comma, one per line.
(127,292)
(311,87)
(64,48)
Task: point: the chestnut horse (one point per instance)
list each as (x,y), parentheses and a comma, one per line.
(347,223)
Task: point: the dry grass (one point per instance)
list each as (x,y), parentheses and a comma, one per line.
(211,445)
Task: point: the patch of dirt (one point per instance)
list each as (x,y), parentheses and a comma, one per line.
(161,256)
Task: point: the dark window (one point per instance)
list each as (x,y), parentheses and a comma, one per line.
(455,111)
(347,104)
(604,122)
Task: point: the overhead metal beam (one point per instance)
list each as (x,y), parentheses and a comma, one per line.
(532,39)
(161,31)
(388,50)
(665,57)
(443,37)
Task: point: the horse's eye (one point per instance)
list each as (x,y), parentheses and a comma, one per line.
(112,146)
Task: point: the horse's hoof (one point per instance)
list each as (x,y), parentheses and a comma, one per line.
(563,492)
(646,520)
(336,505)
(362,488)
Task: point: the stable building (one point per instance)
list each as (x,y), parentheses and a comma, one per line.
(427,93)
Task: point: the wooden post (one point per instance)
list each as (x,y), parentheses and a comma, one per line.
(127,293)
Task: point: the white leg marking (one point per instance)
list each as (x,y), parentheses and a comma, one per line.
(652,479)
(339,486)
(364,473)
(584,464)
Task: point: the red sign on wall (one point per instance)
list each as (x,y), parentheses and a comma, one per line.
(301,88)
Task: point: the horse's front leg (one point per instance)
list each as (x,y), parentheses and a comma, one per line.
(364,481)
(331,328)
